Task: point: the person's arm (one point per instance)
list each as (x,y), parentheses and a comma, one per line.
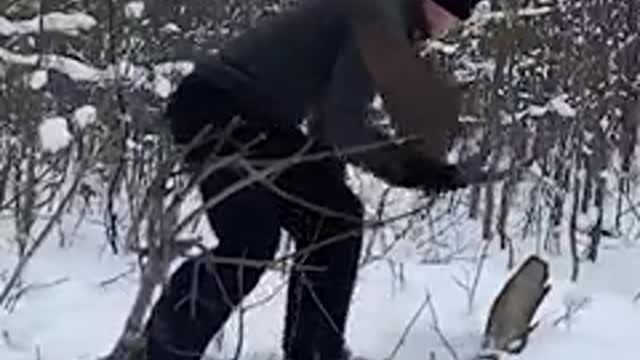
(340,120)
(418,97)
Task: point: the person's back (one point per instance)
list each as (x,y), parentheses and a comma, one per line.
(275,70)
(290,58)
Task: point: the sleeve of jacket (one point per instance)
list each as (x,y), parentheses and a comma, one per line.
(421,100)
(341,121)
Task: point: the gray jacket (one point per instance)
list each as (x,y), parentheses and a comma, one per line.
(324,60)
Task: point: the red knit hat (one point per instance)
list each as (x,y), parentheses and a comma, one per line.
(459,8)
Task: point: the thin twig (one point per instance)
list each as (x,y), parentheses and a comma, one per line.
(113,279)
(436,328)
(407,329)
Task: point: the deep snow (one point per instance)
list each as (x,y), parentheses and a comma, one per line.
(80,317)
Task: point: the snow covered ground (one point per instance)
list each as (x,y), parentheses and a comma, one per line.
(80,314)
(78,296)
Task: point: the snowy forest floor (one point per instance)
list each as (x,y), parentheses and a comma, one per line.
(76,294)
(77,297)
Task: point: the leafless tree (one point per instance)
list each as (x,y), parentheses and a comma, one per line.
(535,83)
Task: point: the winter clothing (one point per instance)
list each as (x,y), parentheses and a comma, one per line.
(201,294)
(282,74)
(321,62)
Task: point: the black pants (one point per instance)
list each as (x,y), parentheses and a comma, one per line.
(201,295)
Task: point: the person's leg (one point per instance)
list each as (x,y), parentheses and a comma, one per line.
(324,299)
(318,301)
(201,295)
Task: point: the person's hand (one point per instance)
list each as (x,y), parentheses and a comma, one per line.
(433,176)
(448,177)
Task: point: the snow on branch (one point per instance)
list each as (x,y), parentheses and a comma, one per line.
(54,131)
(54,134)
(481,17)
(75,69)
(558,105)
(484,15)
(80,71)
(70,24)
(531,11)
(134,9)
(524,12)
